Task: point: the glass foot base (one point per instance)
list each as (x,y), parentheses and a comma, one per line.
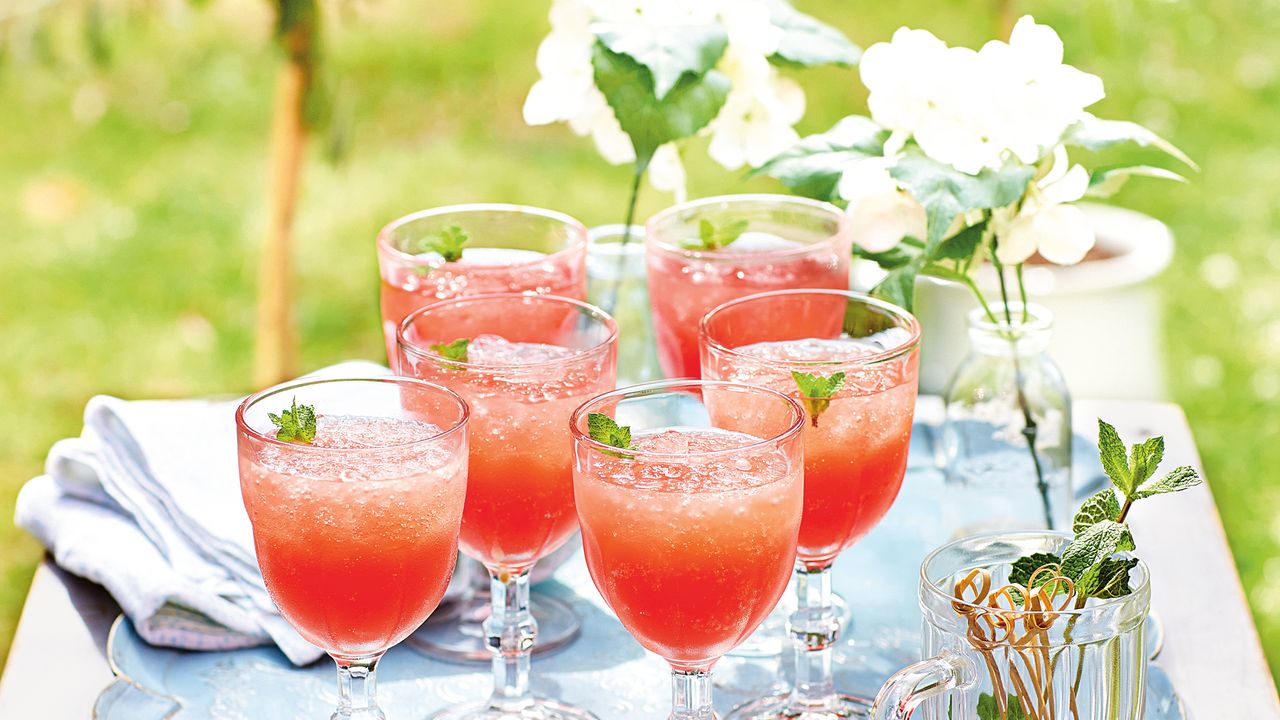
(781,708)
(770,639)
(456,633)
(537,710)
(752,677)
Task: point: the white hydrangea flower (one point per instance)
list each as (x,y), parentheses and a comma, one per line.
(972,110)
(756,121)
(755,124)
(1047,223)
(880,213)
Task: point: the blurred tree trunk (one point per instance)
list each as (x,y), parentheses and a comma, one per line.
(1006,18)
(275,340)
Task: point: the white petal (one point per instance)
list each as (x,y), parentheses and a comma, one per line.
(551,100)
(666,172)
(1037,45)
(1064,234)
(865,177)
(880,221)
(1016,241)
(1070,187)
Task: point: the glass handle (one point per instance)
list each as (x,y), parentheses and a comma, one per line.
(914,684)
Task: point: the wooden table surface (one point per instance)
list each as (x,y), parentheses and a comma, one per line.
(57,665)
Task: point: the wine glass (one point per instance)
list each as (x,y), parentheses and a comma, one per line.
(355,527)
(523,363)
(508,248)
(778,242)
(690,527)
(852,362)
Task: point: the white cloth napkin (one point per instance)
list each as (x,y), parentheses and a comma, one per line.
(146,502)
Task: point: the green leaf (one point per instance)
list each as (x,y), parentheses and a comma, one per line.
(603,429)
(963,244)
(988,709)
(716,237)
(1114,462)
(1107,579)
(899,255)
(899,286)
(1096,134)
(669,52)
(816,391)
(1100,506)
(448,242)
(1105,182)
(1095,544)
(806,41)
(295,425)
(947,193)
(649,122)
(812,167)
(1144,458)
(1027,565)
(1177,480)
(456,350)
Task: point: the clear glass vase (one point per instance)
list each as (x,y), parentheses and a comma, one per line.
(1006,440)
(616,281)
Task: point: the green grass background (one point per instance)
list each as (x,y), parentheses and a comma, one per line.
(133,170)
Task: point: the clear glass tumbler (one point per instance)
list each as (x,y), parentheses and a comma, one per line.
(994,654)
(356,531)
(852,361)
(781,242)
(690,529)
(508,248)
(616,281)
(529,361)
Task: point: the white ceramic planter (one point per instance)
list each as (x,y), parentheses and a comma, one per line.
(1107,313)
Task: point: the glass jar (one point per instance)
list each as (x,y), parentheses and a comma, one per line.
(995,655)
(616,282)
(1006,441)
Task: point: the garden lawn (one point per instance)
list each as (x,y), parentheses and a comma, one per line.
(133,163)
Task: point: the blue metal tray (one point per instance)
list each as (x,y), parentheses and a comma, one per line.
(603,670)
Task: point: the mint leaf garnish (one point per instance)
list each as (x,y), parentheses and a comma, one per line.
(713,237)
(295,425)
(1027,565)
(448,242)
(456,350)
(989,709)
(1114,460)
(1100,506)
(1177,480)
(1095,544)
(1107,579)
(816,391)
(604,429)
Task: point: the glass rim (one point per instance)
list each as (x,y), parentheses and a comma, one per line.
(1104,603)
(384,235)
(1039,318)
(415,350)
(843,226)
(243,425)
(900,313)
(660,386)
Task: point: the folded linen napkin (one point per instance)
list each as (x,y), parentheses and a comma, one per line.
(146,502)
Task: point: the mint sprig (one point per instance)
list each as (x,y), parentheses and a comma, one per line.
(456,351)
(295,425)
(605,430)
(989,709)
(448,242)
(1100,524)
(816,391)
(717,237)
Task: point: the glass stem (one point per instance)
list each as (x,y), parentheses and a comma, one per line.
(691,695)
(358,689)
(814,629)
(511,633)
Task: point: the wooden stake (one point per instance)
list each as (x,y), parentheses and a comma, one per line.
(275,337)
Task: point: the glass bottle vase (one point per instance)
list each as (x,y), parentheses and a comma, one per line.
(616,281)
(1006,440)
